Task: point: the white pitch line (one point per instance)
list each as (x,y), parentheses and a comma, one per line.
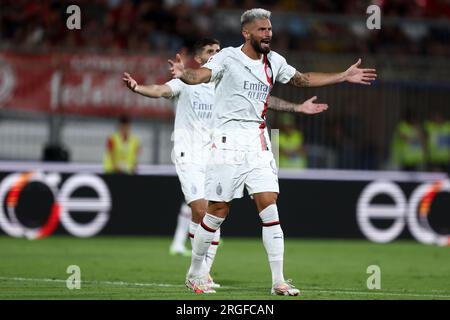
(432,291)
(320,290)
(114,283)
(405,294)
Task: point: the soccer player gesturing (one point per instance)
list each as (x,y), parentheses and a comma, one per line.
(241,154)
(193,124)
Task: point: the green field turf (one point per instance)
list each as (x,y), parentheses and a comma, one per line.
(141,268)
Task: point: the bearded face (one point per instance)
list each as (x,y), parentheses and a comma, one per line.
(262,45)
(259,34)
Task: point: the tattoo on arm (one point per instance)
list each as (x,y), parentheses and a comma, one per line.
(281,105)
(196,76)
(300,79)
(190,76)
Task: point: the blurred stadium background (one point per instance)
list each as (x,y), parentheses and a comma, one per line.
(68,86)
(61,94)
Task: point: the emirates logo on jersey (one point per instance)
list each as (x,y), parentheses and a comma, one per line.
(256,90)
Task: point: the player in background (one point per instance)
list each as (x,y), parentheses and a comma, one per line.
(243,78)
(122,149)
(184,219)
(193,121)
(191,136)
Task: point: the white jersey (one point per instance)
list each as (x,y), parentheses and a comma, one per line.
(193,119)
(242,89)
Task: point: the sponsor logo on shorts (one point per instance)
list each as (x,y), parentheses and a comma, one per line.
(274,167)
(193,189)
(219,189)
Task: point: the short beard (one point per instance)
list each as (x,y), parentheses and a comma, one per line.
(257,47)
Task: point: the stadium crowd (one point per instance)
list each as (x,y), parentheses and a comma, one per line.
(168,25)
(409,27)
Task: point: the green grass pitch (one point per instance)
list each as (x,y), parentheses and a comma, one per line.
(141,268)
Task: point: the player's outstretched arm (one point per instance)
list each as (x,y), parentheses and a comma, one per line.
(353,74)
(152,91)
(189,76)
(307,107)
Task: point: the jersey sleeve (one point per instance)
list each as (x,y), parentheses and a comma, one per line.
(216,65)
(285,71)
(176,85)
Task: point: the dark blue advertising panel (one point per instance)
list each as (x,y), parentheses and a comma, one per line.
(36,204)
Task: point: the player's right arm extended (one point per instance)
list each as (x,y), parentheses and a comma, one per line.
(307,107)
(353,74)
(152,91)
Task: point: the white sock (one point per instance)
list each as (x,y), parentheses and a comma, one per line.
(181,231)
(211,253)
(203,237)
(212,250)
(273,240)
(192,228)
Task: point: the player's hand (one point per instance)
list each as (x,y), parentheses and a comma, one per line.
(310,107)
(129,81)
(358,75)
(176,67)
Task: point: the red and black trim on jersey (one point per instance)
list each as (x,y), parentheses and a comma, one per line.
(269,77)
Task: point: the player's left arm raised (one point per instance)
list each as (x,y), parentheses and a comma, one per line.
(307,107)
(353,74)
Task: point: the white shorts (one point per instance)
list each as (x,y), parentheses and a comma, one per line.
(192,180)
(229,171)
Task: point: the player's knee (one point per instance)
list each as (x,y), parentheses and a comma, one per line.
(274,198)
(198,208)
(198,214)
(218,209)
(267,200)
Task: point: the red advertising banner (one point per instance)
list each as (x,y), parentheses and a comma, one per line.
(25,81)
(86,84)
